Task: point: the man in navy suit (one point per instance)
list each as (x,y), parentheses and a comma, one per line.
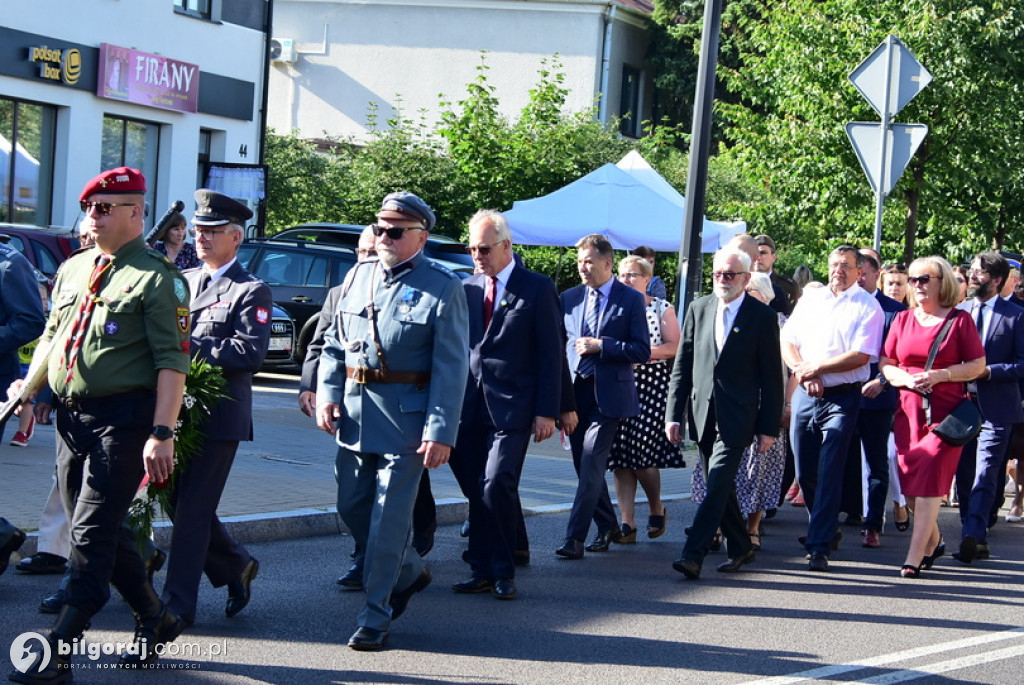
(997,394)
(230,312)
(729,371)
(874,422)
(606,333)
(512,394)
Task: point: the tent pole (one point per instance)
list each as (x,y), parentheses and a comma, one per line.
(690,260)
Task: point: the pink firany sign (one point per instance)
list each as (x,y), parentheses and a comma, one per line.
(145,79)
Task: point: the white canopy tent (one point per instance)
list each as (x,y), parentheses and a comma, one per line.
(629,203)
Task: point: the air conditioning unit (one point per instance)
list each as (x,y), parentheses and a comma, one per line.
(282,50)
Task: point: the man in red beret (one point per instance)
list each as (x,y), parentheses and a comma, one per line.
(117,350)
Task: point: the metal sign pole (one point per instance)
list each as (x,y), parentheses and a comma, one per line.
(884,143)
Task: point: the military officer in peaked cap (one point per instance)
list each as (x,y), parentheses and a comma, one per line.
(390,384)
(117,351)
(230,310)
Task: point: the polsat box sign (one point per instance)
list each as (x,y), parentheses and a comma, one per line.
(146,79)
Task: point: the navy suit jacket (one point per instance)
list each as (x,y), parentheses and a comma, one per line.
(999,396)
(516,362)
(888,398)
(625,340)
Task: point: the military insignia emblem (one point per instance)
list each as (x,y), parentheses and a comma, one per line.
(182,313)
(180,291)
(262,315)
(111,328)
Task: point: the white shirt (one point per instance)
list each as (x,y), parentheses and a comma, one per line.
(824,325)
(728,311)
(501,281)
(214,275)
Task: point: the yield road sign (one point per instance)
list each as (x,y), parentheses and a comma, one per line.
(890,66)
(903,141)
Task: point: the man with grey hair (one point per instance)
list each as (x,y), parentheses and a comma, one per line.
(512,394)
(828,341)
(230,312)
(606,333)
(729,352)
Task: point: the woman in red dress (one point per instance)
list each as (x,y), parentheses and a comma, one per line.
(926,463)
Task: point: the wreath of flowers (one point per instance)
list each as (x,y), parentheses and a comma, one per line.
(204,388)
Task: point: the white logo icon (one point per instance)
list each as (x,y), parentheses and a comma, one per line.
(24,657)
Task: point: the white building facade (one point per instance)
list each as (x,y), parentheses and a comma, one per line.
(338,56)
(172,87)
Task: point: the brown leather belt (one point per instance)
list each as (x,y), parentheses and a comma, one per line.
(362,374)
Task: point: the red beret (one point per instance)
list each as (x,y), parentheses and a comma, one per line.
(120,180)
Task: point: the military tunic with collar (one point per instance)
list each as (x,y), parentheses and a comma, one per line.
(139,325)
(423,326)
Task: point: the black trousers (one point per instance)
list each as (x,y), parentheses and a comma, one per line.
(99,469)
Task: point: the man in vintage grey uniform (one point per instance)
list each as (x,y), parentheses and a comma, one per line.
(391,380)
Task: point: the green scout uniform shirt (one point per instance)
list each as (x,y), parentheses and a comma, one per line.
(140,323)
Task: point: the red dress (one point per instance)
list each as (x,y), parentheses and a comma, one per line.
(927,464)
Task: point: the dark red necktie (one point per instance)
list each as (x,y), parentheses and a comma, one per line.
(81,325)
(492,288)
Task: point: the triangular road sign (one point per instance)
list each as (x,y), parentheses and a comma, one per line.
(904,139)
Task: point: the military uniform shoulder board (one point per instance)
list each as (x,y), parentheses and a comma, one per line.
(443,269)
(158,255)
(83,248)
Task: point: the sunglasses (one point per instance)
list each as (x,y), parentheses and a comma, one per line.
(103,208)
(923,279)
(727,275)
(484,250)
(898,268)
(393,232)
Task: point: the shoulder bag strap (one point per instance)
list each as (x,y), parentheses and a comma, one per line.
(943,332)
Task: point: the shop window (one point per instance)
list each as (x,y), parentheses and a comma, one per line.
(26,161)
(132,143)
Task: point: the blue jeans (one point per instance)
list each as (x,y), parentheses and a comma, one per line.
(820,432)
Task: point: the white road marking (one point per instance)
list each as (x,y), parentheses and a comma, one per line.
(828,672)
(944,666)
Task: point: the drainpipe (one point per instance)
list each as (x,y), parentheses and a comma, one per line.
(606,52)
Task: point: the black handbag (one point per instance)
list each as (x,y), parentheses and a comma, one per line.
(963,423)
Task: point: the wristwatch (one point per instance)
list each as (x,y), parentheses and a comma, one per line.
(162,432)
(882,379)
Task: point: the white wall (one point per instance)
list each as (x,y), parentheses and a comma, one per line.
(150,26)
(406,53)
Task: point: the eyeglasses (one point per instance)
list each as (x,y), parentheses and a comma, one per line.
(977,272)
(960,279)
(843,266)
(631,274)
(727,275)
(484,250)
(103,208)
(366,253)
(393,232)
(923,279)
(206,233)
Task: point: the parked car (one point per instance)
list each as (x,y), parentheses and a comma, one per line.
(439,247)
(300,273)
(46,248)
(282,340)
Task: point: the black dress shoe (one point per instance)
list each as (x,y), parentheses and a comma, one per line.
(43,563)
(982,552)
(155,563)
(423,541)
(521,557)
(368,639)
(150,633)
(570,549)
(688,567)
(602,541)
(505,588)
(239,591)
(473,586)
(735,564)
(968,550)
(53,603)
(353,579)
(818,562)
(400,598)
(11,539)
